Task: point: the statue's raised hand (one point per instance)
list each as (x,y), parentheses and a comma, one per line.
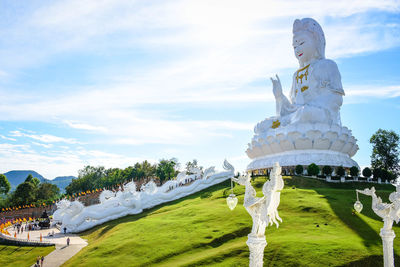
(276,87)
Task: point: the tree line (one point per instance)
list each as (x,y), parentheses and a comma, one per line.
(385,161)
(30,193)
(91,177)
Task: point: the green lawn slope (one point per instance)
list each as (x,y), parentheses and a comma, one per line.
(21,256)
(318,229)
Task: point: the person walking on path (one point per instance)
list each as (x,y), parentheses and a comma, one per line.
(37,260)
(68,240)
(41,261)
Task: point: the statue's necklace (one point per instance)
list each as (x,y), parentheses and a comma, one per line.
(302,73)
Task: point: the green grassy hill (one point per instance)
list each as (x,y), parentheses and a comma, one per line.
(21,256)
(318,229)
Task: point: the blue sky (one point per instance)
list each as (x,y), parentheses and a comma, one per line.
(115,82)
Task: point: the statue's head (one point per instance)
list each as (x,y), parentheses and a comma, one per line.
(75,207)
(63,204)
(106,195)
(130,187)
(308,40)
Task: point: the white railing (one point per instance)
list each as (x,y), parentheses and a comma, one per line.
(369,180)
(33,242)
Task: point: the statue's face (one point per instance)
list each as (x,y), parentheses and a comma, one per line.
(304,47)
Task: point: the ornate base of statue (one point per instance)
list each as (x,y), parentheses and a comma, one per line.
(303,144)
(387,242)
(303,157)
(256,246)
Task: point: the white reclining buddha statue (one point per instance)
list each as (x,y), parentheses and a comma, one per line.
(307,126)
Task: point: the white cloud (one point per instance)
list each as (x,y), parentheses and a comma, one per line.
(8,138)
(374,91)
(58,162)
(85,126)
(13,148)
(46,138)
(43,145)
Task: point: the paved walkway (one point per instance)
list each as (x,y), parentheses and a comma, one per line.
(61,255)
(62,252)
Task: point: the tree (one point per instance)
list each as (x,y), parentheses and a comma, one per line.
(89,178)
(148,169)
(377,173)
(30,179)
(387,175)
(312,169)
(299,169)
(25,193)
(327,170)
(166,169)
(114,176)
(47,191)
(192,164)
(129,173)
(354,171)
(385,151)
(367,172)
(340,171)
(35,181)
(4,184)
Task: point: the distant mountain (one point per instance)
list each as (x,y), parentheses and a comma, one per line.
(62,181)
(17,177)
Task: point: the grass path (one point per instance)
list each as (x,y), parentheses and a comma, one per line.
(318,229)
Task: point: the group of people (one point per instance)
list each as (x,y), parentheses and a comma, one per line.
(39,261)
(19,228)
(65,232)
(185,182)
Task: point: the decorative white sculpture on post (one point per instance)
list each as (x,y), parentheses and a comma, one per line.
(389,212)
(263,211)
(307,127)
(76,217)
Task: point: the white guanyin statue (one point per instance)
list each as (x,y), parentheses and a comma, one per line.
(309,119)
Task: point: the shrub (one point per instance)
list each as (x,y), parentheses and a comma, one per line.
(377,173)
(354,171)
(327,170)
(367,172)
(340,171)
(387,175)
(299,170)
(312,169)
